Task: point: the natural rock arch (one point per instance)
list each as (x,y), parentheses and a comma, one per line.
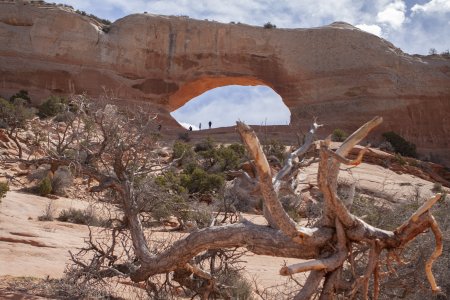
(336,72)
(197,87)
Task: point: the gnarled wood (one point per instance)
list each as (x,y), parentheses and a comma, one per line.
(277,215)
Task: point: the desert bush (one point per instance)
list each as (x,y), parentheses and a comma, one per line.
(100,20)
(47,214)
(339,135)
(200,213)
(82,216)
(275,148)
(184,136)
(14,117)
(223,158)
(22,94)
(205,145)
(39,173)
(269,25)
(51,107)
(61,180)
(229,159)
(400,159)
(64,288)
(237,286)
(45,186)
(437,187)
(400,145)
(183,150)
(173,205)
(15,114)
(171,182)
(199,181)
(65,116)
(239,149)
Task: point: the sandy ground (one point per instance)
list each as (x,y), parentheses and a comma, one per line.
(29,247)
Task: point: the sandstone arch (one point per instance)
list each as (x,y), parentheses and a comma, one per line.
(335,72)
(197,87)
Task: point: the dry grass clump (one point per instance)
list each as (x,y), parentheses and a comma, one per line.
(55,288)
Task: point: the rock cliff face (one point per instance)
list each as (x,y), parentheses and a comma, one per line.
(338,73)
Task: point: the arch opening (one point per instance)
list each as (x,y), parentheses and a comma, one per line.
(223,106)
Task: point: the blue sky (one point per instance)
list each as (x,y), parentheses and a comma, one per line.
(415,26)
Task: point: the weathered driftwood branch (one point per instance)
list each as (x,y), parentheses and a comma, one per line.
(309,139)
(436,253)
(199,272)
(347,161)
(258,239)
(277,216)
(327,264)
(311,285)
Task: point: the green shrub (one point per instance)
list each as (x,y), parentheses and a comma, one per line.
(269,25)
(228,158)
(22,94)
(339,135)
(180,149)
(15,114)
(400,145)
(185,151)
(199,181)
(45,186)
(51,107)
(171,182)
(239,149)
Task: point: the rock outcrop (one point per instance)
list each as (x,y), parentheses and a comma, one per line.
(338,73)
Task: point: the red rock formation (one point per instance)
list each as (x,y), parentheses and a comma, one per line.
(339,73)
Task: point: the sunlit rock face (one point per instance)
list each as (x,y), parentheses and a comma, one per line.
(338,73)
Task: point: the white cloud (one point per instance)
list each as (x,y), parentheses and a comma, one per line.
(434,6)
(393,14)
(373,29)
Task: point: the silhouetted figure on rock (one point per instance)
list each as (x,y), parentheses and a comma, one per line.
(190,128)
(210,124)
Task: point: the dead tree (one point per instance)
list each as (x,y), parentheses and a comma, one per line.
(327,247)
(118,158)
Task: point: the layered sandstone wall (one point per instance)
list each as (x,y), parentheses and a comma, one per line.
(338,73)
